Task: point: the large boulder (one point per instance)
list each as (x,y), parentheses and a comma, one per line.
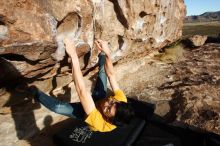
(32,31)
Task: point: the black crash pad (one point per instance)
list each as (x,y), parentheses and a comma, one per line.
(138,133)
(81,135)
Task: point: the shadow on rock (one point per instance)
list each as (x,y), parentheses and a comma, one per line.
(213,39)
(45,136)
(19,102)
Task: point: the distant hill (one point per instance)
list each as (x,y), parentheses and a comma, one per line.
(205,17)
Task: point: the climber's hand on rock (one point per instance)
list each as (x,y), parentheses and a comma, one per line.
(70,47)
(103,46)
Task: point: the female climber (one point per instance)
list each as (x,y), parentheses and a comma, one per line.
(101,113)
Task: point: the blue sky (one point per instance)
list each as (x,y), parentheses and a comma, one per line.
(197,7)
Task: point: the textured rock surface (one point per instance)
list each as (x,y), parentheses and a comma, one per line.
(32,31)
(196,88)
(198,40)
(185,91)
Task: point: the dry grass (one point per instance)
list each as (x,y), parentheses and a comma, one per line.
(202,28)
(171,53)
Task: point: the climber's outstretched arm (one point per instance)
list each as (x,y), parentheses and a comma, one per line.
(84,96)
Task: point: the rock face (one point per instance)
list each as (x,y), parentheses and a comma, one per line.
(31,31)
